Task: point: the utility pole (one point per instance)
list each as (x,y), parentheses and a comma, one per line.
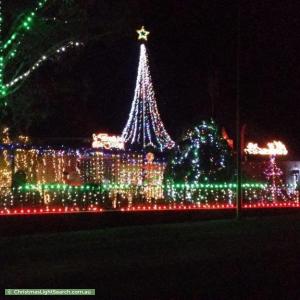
(238,126)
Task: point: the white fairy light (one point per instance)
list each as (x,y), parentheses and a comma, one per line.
(40,61)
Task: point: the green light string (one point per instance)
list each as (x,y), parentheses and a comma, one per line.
(9,50)
(115,186)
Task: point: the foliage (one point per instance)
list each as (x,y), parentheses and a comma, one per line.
(53,92)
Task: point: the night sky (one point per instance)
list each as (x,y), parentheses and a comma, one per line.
(193,53)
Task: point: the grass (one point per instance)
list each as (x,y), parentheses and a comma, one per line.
(256,258)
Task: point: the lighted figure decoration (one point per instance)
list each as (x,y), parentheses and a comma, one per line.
(143,34)
(273,148)
(103,140)
(227,139)
(12,72)
(149,157)
(202,156)
(144,127)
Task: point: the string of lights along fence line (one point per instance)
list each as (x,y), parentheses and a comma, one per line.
(10,50)
(144,127)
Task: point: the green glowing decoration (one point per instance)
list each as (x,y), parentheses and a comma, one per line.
(117,186)
(203,155)
(12,73)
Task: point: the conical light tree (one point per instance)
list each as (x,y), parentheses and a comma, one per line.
(274,176)
(15,64)
(144,127)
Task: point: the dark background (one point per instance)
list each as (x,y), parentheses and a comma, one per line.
(193,53)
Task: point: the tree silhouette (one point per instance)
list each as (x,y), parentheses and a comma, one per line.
(35,36)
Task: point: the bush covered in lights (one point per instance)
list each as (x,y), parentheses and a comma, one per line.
(203,155)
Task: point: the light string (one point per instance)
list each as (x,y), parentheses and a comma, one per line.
(202,155)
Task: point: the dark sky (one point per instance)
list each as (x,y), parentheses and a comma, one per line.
(192,50)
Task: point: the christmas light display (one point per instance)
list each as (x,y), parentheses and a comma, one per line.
(89,180)
(144,127)
(112,179)
(37,180)
(202,155)
(12,74)
(75,167)
(273,148)
(103,140)
(143,34)
(145,208)
(272,172)
(62,198)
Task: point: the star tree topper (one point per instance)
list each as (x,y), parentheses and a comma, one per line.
(143,34)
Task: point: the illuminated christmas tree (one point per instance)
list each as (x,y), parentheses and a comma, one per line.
(273,174)
(144,127)
(17,56)
(203,155)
